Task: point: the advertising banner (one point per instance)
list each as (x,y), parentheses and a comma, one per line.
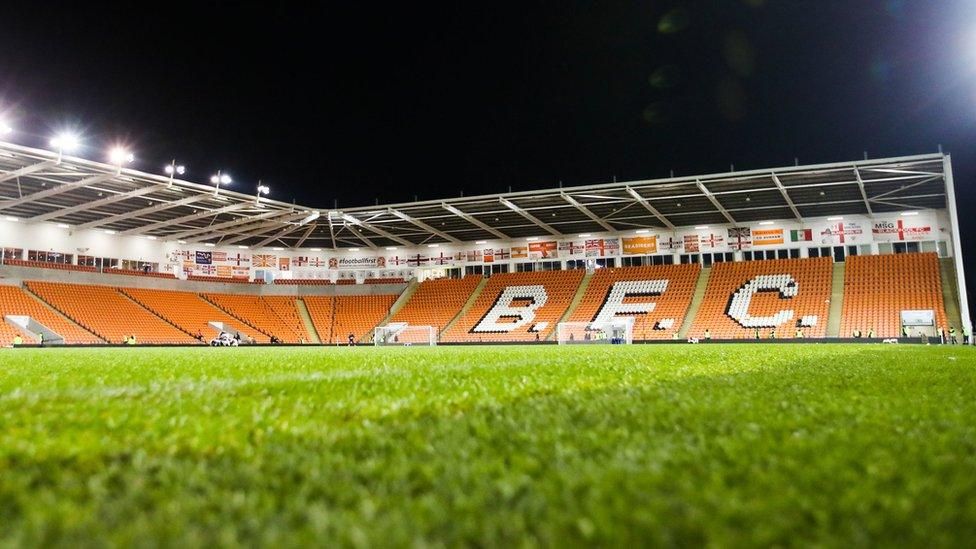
(767,237)
(640,245)
(543,250)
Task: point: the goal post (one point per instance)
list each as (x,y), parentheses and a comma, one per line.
(616,331)
(403,334)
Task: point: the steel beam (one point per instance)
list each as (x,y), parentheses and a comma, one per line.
(474,221)
(526,214)
(647,206)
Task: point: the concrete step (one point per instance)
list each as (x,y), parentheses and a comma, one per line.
(467,306)
(950,293)
(397,305)
(307,320)
(696,300)
(836,301)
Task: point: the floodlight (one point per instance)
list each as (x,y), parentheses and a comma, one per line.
(264,189)
(4,127)
(119,155)
(65,142)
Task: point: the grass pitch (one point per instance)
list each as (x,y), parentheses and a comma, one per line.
(494,446)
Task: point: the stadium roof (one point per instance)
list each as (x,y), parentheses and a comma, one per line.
(38,185)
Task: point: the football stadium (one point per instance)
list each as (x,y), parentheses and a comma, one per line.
(775,355)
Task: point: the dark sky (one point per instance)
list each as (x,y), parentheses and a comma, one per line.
(359,101)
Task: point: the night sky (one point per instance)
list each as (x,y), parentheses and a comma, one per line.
(362,101)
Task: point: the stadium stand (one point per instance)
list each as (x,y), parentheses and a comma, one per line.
(336,317)
(45,265)
(672,304)
(223,280)
(559,287)
(15,301)
(304,282)
(437,301)
(812,298)
(133,272)
(259,312)
(108,313)
(190,312)
(878,287)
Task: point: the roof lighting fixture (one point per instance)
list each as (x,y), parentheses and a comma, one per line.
(316,249)
(353,249)
(531,238)
(209,244)
(277,249)
(835,218)
(480,241)
(642,231)
(701,227)
(906,214)
(119,156)
(391,248)
(219,179)
(108,231)
(181,241)
(765,222)
(64,226)
(150,237)
(11,219)
(584,235)
(242,247)
(172,170)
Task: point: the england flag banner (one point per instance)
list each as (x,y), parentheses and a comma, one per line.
(842,233)
(673,244)
(571,248)
(901,230)
(710,242)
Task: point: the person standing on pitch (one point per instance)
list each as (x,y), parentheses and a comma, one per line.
(952,335)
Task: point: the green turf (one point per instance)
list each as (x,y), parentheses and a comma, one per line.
(493,446)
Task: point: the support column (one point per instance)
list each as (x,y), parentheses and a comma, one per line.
(956,245)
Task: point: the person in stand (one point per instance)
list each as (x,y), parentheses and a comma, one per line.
(756,334)
(571,338)
(237,337)
(537,336)
(18,340)
(856,334)
(708,334)
(131,340)
(674,336)
(352,339)
(952,335)
(40,338)
(871,333)
(199,335)
(965,335)
(904,331)
(772,333)
(799,333)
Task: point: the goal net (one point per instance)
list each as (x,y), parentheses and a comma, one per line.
(616,331)
(401,333)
